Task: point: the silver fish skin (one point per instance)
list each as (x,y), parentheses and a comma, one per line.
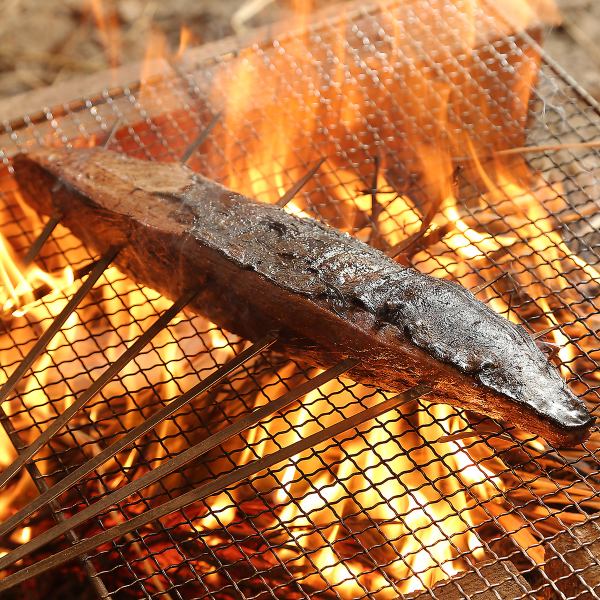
(329,295)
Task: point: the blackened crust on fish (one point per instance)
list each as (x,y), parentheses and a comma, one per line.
(329,295)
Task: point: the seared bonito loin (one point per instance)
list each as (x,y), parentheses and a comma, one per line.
(329,296)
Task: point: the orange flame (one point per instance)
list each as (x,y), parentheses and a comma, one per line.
(426,495)
(107,21)
(262,156)
(18,282)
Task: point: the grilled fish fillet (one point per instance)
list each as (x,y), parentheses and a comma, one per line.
(329,296)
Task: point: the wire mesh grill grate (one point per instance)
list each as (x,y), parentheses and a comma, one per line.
(385,510)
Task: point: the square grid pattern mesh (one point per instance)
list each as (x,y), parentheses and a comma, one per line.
(406,502)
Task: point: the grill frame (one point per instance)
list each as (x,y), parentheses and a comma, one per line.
(62,127)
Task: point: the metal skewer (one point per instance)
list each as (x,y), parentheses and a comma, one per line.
(176,463)
(96,271)
(57,511)
(41,239)
(212,487)
(107,375)
(57,324)
(46,289)
(200,139)
(51,224)
(111,133)
(544,332)
(487,284)
(289,195)
(134,434)
(48,496)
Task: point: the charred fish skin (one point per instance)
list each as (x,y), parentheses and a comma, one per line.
(328,294)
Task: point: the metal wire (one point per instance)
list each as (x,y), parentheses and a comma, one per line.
(226,480)
(356,542)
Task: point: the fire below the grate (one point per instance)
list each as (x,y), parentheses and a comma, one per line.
(418,495)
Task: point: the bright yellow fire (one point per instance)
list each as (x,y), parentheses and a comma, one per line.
(414,505)
(18,282)
(418,521)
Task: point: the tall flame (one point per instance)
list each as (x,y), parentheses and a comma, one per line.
(18,282)
(107,22)
(400,485)
(410,494)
